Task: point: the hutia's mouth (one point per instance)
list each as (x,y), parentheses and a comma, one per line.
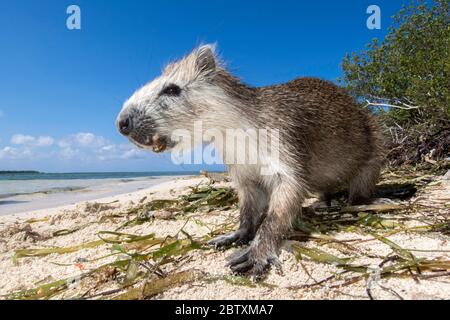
(159,145)
(156,143)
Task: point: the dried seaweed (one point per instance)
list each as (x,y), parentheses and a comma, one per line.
(319,255)
(22,253)
(200,199)
(128,267)
(210,198)
(152,288)
(36,220)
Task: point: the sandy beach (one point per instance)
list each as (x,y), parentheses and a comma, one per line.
(141,245)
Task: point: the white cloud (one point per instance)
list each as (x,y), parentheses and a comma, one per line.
(7,152)
(83,139)
(64,143)
(133,154)
(45,141)
(89,140)
(118,152)
(22,139)
(82,147)
(87,145)
(26,140)
(15,153)
(68,153)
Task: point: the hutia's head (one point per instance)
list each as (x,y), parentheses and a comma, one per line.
(172,101)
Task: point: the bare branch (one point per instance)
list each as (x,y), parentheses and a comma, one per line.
(404,106)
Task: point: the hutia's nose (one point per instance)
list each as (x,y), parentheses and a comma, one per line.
(125,125)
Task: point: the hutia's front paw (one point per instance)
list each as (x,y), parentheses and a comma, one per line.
(255,263)
(239,237)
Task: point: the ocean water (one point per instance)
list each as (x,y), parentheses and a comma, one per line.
(26,183)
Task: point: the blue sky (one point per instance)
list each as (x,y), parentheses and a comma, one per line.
(61,89)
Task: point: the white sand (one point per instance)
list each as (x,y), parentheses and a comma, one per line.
(30,272)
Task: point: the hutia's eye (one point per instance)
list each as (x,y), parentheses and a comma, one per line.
(171,90)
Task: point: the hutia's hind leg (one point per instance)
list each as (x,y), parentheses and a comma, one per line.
(327,197)
(362,186)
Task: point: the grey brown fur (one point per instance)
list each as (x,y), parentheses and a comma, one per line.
(327,143)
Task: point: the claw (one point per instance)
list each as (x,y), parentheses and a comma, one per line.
(274,261)
(223,241)
(242,267)
(240,259)
(247,263)
(239,237)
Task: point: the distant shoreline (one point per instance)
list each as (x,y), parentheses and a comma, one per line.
(20,172)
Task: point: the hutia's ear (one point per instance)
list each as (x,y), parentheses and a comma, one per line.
(205,59)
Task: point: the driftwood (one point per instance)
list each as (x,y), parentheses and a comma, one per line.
(152,288)
(215,176)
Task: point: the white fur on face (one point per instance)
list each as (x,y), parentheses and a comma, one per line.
(191,74)
(184,73)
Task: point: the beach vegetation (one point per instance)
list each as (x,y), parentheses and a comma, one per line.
(405,79)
